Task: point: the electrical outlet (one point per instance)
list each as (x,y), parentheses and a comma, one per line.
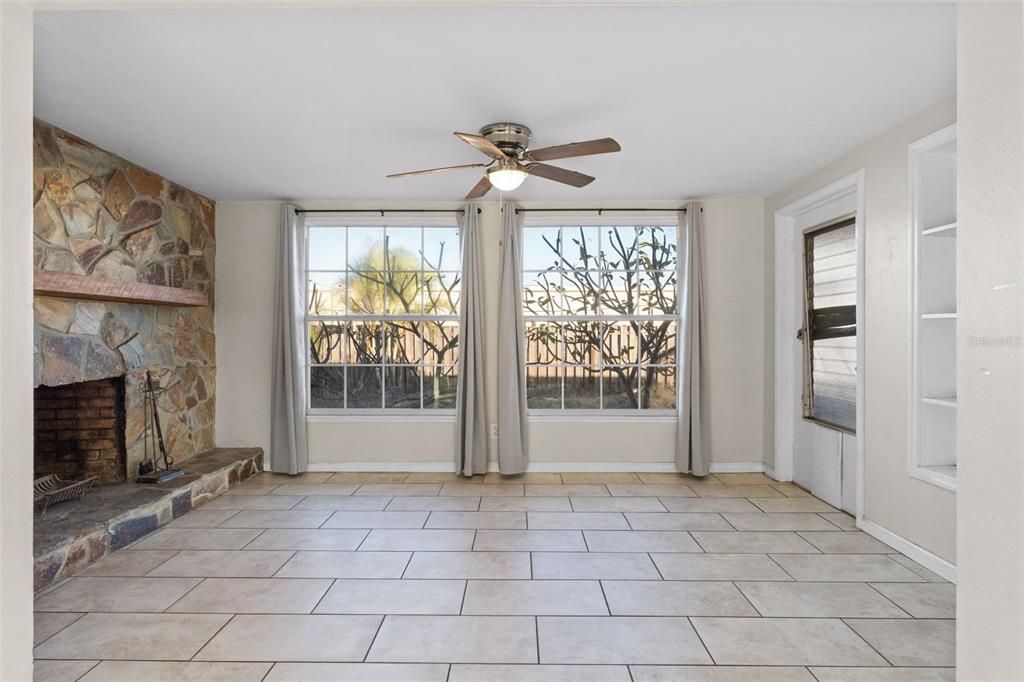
(494,431)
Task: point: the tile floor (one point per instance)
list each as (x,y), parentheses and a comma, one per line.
(548,577)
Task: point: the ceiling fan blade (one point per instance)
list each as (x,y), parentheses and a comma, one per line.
(557,174)
(479,189)
(483,144)
(605,145)
(438,170)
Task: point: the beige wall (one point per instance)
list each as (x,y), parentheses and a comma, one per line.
(917,511)
(734,262)
(990,363)
(15,342)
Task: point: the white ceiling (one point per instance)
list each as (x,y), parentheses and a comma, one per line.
(706,100)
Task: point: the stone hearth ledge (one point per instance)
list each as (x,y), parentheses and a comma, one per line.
(72,535)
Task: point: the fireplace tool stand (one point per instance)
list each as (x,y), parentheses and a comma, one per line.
(151,469)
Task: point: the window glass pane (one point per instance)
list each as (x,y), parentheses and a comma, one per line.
(658,249)
(621,292)
(366,293)
(620,247)
(363,386)
(327,387)
(326,248)
(542,293)
(440,342)
(325,293)
(441,293)
(543,343)
(658,342)
(326,342)
(580,248)
(582,291)
(402,387)
(658,292)
(402,293)
(833,267)
(541,248)
(441,250)
(620,388)
(365,343)
(403,248)
(621,343)
(582,388)
(834,381)
(439,386)
(582,343)
(402,344)
(544,387)
(658,386)
(365,248)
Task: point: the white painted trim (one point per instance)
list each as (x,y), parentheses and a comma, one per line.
(787,321)
(545,467)
(919,554)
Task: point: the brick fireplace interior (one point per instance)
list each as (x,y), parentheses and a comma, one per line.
(80,430)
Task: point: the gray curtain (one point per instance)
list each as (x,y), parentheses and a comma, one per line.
(288,453)
(471,441)
(513,434)
(693,445)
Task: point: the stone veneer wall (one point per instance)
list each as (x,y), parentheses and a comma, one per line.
(98,214)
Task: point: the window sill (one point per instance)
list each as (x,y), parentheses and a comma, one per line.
(598,417)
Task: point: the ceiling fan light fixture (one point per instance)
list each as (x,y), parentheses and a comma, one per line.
(506,177)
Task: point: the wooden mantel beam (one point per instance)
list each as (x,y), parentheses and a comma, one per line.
(68,285)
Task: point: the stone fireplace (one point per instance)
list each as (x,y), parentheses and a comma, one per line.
(80,430)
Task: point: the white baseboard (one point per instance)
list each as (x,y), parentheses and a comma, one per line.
(569,467)
(919,554)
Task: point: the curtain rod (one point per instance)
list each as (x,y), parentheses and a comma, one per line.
(382,211)
(600,210)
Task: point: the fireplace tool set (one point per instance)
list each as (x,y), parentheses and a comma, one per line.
(151,469)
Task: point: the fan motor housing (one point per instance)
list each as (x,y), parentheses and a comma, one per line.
(511,138)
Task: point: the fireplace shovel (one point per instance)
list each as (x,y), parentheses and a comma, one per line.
(150,470)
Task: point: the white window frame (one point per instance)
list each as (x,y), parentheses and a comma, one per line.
(347,220)
(668,218)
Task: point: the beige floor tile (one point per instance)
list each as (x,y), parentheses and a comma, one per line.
(432,540)
(47,624)
(708,504)
(534,598)
(718,567)
(818,600)
(617,504)
(673,478)
(483,565)
(358,672)
(619,640)
(442,477)
(60,671)
(315,489)
(254,502)
(580,490)
(884,674)
(272,478)
(311,638)
(745,478)
(399,489)
(539,673)
(788,505)
(675,598)
(277,519)
(529,541)
(640,541)
(737,542)
(845,542)
(577,521)
(677,521)
(845,568)
(248,488)
(198,538)
(378,519)
(664,490)
(343,503)
(600,478)
(202,518)
(594,566)
(434,504)
(762,521)
(720,673)
(253,595)
(455,639)
(223,564)
(910,642)
(922,600)
(128,562)
(784,641)
(135,595)
(475,490)
(394,596)
(474,519)
(132,636)
(841,520)
(368,477)
(345,565)
(918,569)
(324,539)
(790,490)
(538,477)
(759,491)
(164,671)
(553,504)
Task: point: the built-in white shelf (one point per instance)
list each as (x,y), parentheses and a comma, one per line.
(933,318)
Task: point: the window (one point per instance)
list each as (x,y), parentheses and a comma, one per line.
(830,328)
(382,316)
(601,316)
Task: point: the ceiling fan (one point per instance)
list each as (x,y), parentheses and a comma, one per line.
(511,159)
